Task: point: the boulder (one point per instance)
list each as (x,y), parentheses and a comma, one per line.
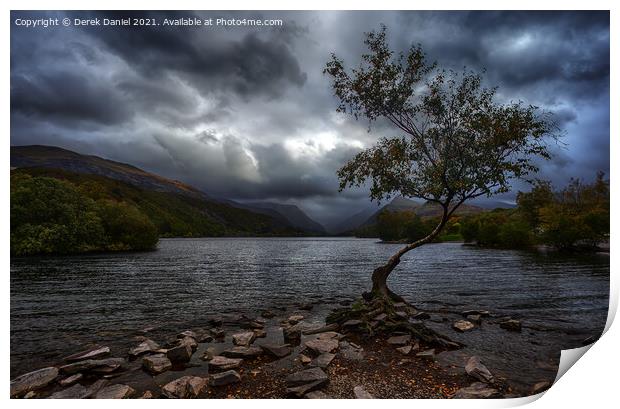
(511,325)
(147,395)
(208,354)
(306,376)
(323,360)
(78,391)
(243,338)
(181,353)
(475,318)
(156,364)
(462,326)
(477,390)
(95,365)
(316,395)
(482,313)
(399,340)
(71,380)
(295,319)
(404,350)
(189,341)
(256,325)
(260,333)
(222,363)
(322,345)
(381,317)
(361,393)
(187,333)
(242,352)
(429,353)
(350,324)
(279,351)
(218,333)
(92,353)
(144,347)
(476,369)
(204,337)
(301,390)
(292,335)
(267,314)
(350,352)
(304,359)
(118,391)
(185,387)
(318,330)
(224,378)
(33,381)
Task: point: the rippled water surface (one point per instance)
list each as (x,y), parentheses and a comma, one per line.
(59,304)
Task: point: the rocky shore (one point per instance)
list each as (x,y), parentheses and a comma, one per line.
(288,354)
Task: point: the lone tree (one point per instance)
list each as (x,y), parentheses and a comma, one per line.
(456,142)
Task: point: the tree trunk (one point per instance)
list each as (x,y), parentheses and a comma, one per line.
(381,274)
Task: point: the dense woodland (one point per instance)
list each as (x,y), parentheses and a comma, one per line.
(576,217)
(59,212)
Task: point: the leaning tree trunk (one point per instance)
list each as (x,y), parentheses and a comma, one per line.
(381,274)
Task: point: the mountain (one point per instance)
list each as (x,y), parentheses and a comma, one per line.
(176,209)
(41,156)
(291,214)
(351,223)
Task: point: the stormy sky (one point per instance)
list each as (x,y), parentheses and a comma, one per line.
(246,112)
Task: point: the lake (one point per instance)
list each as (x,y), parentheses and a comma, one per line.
(61,304)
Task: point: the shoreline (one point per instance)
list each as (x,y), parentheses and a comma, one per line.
(381,368)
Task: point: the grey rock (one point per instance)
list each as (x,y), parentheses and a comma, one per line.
(405,350)
(381,317)
(316,395)
(429,353)
(224,378)
(181,353)
(304,359)
(301,390)
(475,318)
(399,340)
(476,369)
(323,360)
(477,390)
(223,363)
(156,364)
(326,328)
(292,335)
(144,347)
(401,315)
(95,365)
(352,324)
(361,393)
(511,325)
(33,380)
(260,333)
(189,341)
(305,377)
(208,354)
(71,380)
(78,391)
(295,319)
(92,353)
(117,391)
(267,314)
(540,387)
(322,345)
(188,333)
(218,333)
(279,351)
(462,326)
(185,387)
(242,352)
(483,313)
(147,395)
(350,352)
(244,338)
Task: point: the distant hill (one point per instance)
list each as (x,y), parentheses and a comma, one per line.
(176,209)
(348,225)
(41,156)
(290,213)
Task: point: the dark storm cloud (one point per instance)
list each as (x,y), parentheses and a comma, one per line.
(246,113)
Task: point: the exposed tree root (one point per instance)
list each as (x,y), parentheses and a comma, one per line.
(370,310)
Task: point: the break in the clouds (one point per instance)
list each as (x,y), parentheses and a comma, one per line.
(246,113)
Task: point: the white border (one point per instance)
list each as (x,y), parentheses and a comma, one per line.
(591,383)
